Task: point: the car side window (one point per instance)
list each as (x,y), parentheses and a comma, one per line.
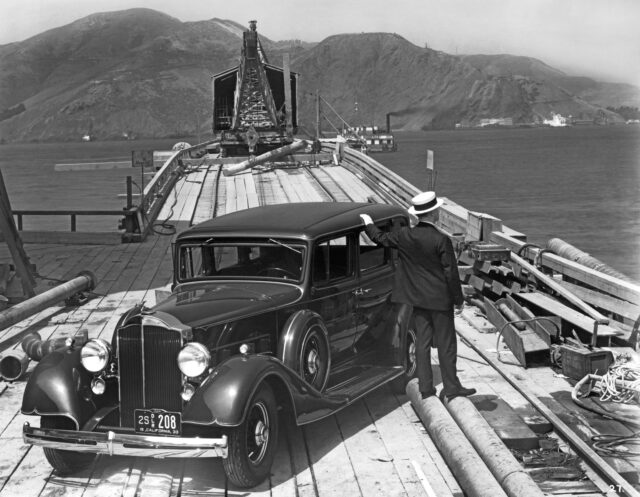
(331,260)
(371,255)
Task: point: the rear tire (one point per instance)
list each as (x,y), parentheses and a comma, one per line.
(409,358)
(65,462)
(253,444)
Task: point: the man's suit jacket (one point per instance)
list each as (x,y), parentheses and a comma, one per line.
(427,275)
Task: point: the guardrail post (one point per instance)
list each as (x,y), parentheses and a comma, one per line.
(129,193)
(73,222)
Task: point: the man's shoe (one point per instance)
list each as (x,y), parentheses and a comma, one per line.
(463,392)
(424,395)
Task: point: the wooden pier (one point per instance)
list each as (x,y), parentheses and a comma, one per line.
(376,447)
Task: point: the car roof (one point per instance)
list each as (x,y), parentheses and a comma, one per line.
(294,220)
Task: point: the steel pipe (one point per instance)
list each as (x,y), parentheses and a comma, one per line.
(83,282)
(471,472)
(36,348)
(13,365)
(272,154)
(568,251)
(509,473)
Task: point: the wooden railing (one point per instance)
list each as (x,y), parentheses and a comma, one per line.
(72,213)
(139,220)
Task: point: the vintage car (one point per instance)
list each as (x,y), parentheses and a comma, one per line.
(284,305)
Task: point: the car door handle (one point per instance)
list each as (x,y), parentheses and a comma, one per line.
(362,291)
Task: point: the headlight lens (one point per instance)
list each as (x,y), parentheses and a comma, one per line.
(95,355)
(193,359)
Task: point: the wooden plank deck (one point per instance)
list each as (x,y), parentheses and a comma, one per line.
(374,447)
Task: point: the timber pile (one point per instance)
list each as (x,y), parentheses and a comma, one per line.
(557,312)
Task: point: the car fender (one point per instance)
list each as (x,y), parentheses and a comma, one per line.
(59,385)
(222,399)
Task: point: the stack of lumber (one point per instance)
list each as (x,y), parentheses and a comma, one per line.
(590,306)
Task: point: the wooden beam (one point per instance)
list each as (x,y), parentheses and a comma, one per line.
(562,291)
(92,166)
(600,281)
(73,237)
(567,313)
(287,92)
(480,225)
(12,238)
(630,312)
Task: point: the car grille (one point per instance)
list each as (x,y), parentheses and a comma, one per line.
(148,369)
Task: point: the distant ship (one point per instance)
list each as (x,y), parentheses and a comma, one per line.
(372,139)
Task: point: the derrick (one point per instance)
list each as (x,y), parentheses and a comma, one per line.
(254,110)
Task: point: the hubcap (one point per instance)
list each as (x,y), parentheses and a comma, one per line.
(312,361)
(258,427)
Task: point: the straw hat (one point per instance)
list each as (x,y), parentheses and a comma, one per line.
(424,202)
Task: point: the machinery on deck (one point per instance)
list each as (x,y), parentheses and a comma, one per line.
(254,111)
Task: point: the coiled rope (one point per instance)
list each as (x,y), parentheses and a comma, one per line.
(621,384)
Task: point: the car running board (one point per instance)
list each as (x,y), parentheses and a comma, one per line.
(367,380)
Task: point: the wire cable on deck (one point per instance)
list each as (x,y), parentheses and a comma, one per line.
(616,445)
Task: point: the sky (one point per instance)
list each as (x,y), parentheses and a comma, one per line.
(595,38)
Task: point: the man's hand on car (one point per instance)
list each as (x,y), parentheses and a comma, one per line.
(366,218)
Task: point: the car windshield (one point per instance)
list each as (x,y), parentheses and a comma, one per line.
(215,259)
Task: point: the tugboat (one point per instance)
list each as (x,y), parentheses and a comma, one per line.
(372,139)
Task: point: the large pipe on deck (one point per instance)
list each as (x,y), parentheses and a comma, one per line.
(568,251)
(83,282)
(509,473)
(272,154)
(471,472)
(13,365)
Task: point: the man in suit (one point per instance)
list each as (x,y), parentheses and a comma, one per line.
(427,279)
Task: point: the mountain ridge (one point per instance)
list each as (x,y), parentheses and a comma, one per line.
(142,73)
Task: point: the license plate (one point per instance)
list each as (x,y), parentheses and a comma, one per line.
(157,422)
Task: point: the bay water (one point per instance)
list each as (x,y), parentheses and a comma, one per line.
(581,184)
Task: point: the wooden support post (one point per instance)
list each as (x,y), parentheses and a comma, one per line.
(287,94)
(14,242)
(431,172)
(129,193)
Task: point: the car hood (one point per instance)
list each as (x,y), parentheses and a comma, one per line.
(199,304)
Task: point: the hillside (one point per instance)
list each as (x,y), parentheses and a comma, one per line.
(141,73)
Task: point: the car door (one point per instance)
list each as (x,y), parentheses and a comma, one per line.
(373,292)
(333,284)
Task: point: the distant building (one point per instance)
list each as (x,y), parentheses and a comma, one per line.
(556,121)
(496,121)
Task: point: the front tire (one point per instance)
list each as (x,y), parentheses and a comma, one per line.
(252,445)
(65,462)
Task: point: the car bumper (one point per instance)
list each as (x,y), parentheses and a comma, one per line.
(125,444)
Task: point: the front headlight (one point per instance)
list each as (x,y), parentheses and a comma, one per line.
(193,359)
(95,355)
